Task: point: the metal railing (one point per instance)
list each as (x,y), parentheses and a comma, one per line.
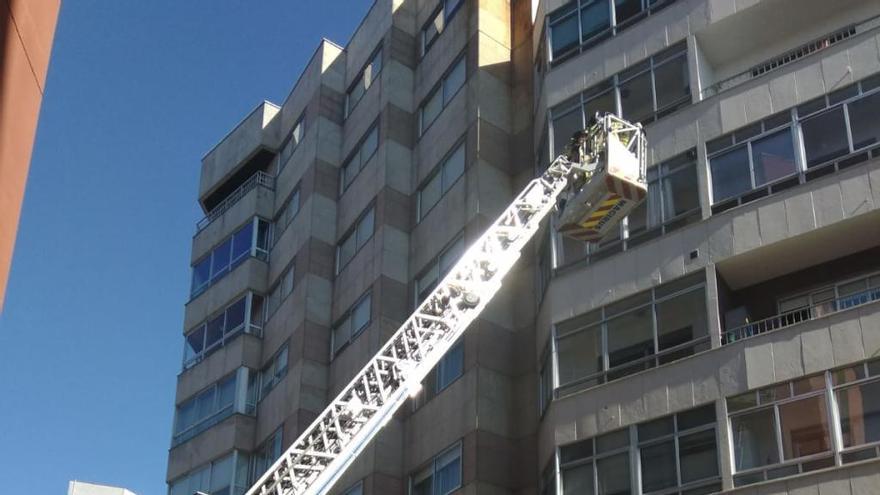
(800,315)
(258,179)
(802,51)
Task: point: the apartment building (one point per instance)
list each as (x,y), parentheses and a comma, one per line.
(726,338)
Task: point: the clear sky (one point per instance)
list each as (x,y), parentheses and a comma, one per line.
(90,336)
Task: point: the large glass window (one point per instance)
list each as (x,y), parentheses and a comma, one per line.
(450,367)
(244,315)
(582,23)
(355,320)
(268,377)
(441,477)
(266,454)
(836,130)
(788,428)
(293,140)
(227,475)
(230,253)
(286,213)
(359,158)
(282,288)
(753,157)
(677,454)
(437,268)
(441,181)
(207,408)
(437,23)
(440,96)
(643,93)
(368,75)
(355,239)
(642,331)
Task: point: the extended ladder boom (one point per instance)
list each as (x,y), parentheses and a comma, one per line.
(312,464)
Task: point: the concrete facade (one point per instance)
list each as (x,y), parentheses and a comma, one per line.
(718,295)
(84,488)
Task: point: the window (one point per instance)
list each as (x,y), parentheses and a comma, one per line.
(368,75)
(208,407)
(648,329)
(441,477)
(643,93)
(356,489)
(355,239)
(279,292)
(673,200)
(227,475)
(545,381)
(441,180)
(836,130)
(359,157)
(451,367)
(438,268)
(292,142)
(243,316)
(437,23)
(230,253)
(581,24)
(355,320)
(752,157)
(265,455)
(677,454)
(266,379)
(287,213)
(437,100)
(789,427)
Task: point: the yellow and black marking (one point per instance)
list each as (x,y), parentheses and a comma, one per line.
(605,210)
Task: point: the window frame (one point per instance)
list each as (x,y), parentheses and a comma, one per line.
(346,319)
(255,251)
(435,263)
(283,287)
(838,100)
(228,334)
(440,89)
(648,8)
(296,135)
(271,373)
(670,291)
(354,230)
(440,170)
(447,14)
(355,154)
(375,55)
(433,466)
(284,217)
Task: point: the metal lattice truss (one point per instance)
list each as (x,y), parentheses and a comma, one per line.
(320,455)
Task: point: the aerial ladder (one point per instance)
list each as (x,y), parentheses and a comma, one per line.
(597,180)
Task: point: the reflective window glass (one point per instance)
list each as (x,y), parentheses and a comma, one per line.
(453,168)
(564,127)
(636,98)
(454,80)
(630,338)
(773,157)
(578,480)
(235,315)
(754,439)
(698,456)
(564,34)
(241,241)
(864,122)
(804,426)
(613,475)
(658,466)
(860,413)
(595,18)
(825,137)
(730,173)
(579,355)
(672,81)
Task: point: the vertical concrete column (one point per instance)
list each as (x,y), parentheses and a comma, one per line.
(725,445)
(713,318)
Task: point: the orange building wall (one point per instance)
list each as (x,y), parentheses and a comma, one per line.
(26,31)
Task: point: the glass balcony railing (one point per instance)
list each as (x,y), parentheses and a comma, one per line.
(800,315)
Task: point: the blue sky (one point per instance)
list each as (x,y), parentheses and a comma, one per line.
(90,336)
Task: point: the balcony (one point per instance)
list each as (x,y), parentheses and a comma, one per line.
(800,315)
(808,294)
(259,179)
